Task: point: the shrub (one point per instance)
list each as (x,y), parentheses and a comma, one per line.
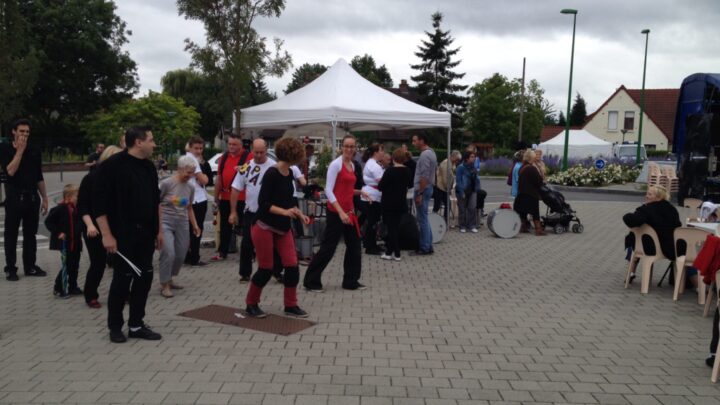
(586,175)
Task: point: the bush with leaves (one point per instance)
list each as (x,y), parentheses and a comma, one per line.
(589,176)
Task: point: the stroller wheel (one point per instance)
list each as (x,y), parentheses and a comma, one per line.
(580,228)
(575,228)
(559,229)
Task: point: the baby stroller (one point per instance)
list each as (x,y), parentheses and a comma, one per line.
(559,214)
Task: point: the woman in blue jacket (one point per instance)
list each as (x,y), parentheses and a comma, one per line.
(467,184)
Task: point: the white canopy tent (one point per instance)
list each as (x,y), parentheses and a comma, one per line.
(341,97)
(581,144)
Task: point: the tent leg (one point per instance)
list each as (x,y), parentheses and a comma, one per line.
(448,183)
(334,138)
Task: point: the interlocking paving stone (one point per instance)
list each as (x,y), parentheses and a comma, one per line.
(484,320)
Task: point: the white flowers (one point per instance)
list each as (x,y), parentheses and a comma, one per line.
(589,176)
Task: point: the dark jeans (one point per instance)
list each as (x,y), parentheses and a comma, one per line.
(72,264)
(440,200)
(138,248)
(392,240)
(193,254)
(372,213)
(98,260)
(25,208)
(225,228)
(247,249)
(333,232)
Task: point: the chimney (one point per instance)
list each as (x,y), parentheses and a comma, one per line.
(404,88)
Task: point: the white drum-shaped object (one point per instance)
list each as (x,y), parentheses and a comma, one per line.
(437,226)
(504,223)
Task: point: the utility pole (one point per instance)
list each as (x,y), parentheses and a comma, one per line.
(522,102)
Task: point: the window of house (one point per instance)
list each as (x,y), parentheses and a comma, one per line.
(612,120)
(629,120)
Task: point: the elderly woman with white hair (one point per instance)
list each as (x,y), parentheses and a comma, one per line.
(176,201)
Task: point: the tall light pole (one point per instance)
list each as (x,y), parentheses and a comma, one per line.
(642,97)
(567,116)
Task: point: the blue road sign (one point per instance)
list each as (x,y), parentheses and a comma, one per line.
(600,164)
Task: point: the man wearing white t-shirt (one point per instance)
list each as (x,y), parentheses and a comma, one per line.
(199,180)
(249,178)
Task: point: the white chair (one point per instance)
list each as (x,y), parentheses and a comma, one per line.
(645,260)
(694,239)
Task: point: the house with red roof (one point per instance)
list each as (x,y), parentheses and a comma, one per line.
(618,118)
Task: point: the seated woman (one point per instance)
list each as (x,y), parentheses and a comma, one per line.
(662,216)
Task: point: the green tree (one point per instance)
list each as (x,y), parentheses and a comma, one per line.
(84,68)
(304,75)
(234,54)
(171,120)
(561,119)
(204,94)
(436,81)
(578,113)
(491,114)
(494,107)
(19,61)
(536,109)
(366,67)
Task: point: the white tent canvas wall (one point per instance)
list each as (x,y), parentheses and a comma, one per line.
(581,144)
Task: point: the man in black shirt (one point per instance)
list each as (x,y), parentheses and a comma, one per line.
(23,166)
(125,204)
(93,157)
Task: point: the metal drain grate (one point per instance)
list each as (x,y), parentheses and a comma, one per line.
(279,325)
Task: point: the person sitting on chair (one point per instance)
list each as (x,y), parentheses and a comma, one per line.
(660,214)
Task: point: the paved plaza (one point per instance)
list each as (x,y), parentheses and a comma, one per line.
(484,320)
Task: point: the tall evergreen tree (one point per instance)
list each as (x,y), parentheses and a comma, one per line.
(436,81)
(561,119)
(578,113)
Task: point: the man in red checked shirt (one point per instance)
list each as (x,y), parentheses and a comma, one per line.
(235,156)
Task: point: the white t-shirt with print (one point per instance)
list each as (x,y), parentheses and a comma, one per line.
(249,178)
(200,193)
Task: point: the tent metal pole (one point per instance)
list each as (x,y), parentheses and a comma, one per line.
(334,137)
(448,183)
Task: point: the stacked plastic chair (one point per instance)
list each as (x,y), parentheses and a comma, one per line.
(669,179)
(654,174)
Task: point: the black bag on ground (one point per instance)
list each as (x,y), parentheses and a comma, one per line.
(409,233)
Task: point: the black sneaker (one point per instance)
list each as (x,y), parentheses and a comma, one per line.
(144,333)
(358,287)
(373,252)
(35,271)
(710,361)
(199,264)
(421,253)
(75,291)
(61,294)
(295,312)
(314,289)
(244,279)
(11,276)
(254,311)
(116,336)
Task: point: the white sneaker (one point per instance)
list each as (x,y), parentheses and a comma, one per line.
(462,230)
(397,258)
(474,230)
(386,257)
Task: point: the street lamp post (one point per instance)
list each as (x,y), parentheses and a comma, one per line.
(646,32)
(567,116)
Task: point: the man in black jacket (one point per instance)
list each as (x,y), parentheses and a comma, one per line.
(125,205)
(26,197)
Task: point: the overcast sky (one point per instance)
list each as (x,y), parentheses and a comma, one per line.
(494,36)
